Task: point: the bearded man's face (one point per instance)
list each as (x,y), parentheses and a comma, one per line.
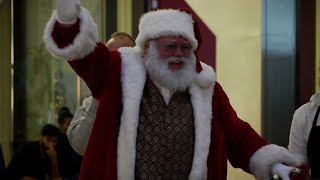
(170,61)
(173,46)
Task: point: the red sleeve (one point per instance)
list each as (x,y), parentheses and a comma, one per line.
(242,140)
(97,68)
(63,36)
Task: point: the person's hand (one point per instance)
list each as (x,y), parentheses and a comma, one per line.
(284,172)
(51,152)
(68,11)
(281,170)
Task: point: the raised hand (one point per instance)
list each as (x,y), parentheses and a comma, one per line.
(282,170)
(68,11)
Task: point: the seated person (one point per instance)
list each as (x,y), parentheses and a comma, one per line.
(68,160)
(36,160)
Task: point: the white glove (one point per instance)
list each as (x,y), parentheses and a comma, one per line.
(282,170)
(68,11)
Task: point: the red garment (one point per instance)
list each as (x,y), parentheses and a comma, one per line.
(231,138)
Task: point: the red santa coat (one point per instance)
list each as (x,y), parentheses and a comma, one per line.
(118,77)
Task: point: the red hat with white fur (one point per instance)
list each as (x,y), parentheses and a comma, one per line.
(164,22)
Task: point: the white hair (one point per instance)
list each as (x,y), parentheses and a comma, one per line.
(172,80)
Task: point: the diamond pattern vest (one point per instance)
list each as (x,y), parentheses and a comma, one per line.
(165,135)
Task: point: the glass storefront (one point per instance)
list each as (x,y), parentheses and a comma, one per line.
(43,83)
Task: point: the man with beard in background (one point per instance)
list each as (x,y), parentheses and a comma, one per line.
(161,113)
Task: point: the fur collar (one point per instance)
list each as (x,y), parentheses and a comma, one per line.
(133,77)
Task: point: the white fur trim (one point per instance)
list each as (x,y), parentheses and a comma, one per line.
(201,99)
(166,22)
(263,159)
(207,76)
(83,44)
(133,78)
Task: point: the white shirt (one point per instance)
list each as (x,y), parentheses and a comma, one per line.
(301,127)
(81,125)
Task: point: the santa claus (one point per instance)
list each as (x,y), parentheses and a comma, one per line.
(161,113)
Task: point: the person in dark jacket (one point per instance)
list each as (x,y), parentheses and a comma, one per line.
(36,160)
(69,161)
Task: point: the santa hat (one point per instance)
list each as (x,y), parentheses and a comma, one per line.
(164,22)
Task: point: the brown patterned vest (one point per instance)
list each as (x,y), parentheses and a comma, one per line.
(165,135)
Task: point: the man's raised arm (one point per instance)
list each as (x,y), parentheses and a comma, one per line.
(71,34)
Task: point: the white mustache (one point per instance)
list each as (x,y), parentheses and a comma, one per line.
(175,60)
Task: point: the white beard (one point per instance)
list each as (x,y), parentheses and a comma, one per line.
(158,70)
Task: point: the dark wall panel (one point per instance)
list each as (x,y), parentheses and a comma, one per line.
(288,39)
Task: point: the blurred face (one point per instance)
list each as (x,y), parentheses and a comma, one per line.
(118,42)
(64,126)
(48,141)
(171,62)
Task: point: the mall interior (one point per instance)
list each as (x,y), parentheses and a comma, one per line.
(266,54)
